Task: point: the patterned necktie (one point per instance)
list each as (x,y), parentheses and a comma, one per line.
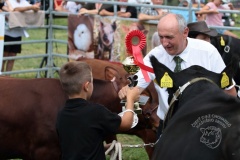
(178,60)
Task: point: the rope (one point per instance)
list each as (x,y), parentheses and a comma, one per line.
(140,145)
(115,150)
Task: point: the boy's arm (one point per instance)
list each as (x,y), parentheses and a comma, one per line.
(127,118)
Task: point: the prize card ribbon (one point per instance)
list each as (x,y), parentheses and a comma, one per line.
(135,51)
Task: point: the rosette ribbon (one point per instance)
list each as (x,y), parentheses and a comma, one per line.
(135,51)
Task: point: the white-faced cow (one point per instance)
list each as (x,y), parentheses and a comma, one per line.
(203,122)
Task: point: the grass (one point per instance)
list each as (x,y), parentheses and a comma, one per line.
(131,153)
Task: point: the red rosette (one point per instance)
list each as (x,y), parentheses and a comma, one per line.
(135,34)
(135,50)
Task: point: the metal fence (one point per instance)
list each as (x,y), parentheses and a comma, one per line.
(47,66)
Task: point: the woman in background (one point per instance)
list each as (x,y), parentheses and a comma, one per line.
(214,17)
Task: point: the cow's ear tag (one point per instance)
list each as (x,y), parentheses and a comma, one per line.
(225,80)
(166,81)
(222,42)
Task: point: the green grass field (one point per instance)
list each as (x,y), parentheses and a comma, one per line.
(30,49)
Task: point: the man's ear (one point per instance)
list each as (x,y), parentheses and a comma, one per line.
(85,86)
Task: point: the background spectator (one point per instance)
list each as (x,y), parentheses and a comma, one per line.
(214,17)
(148,13)
(69,6)
(200,30)
(226,18)
(57,3)
(91,8)
(15,34)
(122,10)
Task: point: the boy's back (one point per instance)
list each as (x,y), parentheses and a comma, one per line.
(84,125)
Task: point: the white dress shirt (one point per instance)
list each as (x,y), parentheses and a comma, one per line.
(197,52)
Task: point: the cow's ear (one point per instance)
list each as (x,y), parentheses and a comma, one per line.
(163,74)
(110,73)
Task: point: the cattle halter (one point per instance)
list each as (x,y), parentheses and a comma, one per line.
(178,93)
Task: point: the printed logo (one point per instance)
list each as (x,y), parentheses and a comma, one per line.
(211,135)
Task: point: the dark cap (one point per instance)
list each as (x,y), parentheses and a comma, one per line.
(201,27)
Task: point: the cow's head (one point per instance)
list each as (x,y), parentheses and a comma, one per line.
(179,79)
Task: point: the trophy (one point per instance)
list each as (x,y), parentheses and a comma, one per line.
(131,68)
(135,42)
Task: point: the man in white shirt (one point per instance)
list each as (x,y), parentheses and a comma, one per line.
(173,32)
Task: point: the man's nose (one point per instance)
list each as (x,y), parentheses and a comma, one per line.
(164,41)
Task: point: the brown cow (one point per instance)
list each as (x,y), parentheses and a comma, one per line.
(28,111)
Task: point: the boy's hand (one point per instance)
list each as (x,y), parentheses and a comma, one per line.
(133,94)
(123,92)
